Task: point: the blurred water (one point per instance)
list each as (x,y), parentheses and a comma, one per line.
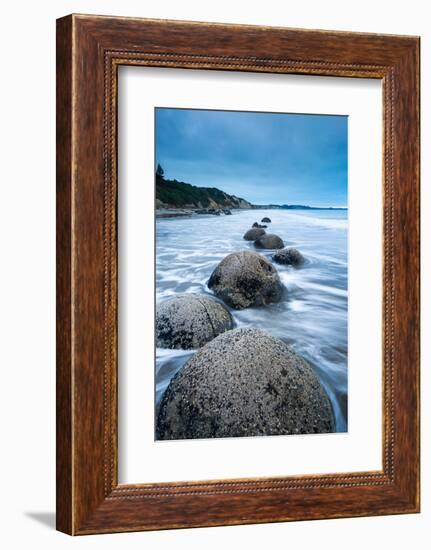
(312,316)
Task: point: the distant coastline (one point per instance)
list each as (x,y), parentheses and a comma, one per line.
(175,199)
(297,207)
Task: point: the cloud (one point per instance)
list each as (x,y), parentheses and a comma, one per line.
(263,157)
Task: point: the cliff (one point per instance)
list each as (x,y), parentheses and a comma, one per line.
(177,194)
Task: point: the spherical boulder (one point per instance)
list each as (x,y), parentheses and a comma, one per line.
(269,240)
(253,234)
(244,383)
(289,256)
(189,321)
(245,279)
(259,225)
(265,220)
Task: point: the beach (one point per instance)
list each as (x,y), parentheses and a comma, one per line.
(311,316)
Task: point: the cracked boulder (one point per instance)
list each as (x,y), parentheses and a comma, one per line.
(189,321)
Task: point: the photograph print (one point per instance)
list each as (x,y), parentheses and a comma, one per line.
(251,274)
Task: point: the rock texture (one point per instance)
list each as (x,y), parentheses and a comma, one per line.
(289,256)
(270,241)
(244,383)
(245,279)
(189,321)
(253,234)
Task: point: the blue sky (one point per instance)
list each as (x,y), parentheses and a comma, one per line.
(262,157)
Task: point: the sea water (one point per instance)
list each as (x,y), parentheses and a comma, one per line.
(312,315)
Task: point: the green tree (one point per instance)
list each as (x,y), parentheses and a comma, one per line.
(160,172)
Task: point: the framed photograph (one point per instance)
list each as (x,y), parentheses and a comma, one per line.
(237,274)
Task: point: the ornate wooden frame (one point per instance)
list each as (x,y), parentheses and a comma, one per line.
(89,51)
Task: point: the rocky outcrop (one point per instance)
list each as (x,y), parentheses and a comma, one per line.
(177,213)
(266,220)
(244,383)
(212,211)
(269,241)
(253,234)
(245,279)
(189,321)
(259,225)
(289,256)
(160,204)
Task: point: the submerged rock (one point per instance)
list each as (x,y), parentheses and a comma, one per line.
(245,279)
(289,256)
(244,383)
(269,240)
(189,321)
(265,220)
(253,234)
(259,225)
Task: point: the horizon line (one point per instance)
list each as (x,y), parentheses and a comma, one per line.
(297,204)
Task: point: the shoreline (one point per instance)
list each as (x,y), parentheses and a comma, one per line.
(164,213)
(299,302)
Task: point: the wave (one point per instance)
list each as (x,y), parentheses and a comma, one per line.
(312,315)
(328,223)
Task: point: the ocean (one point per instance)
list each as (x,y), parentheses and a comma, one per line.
(313,314)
